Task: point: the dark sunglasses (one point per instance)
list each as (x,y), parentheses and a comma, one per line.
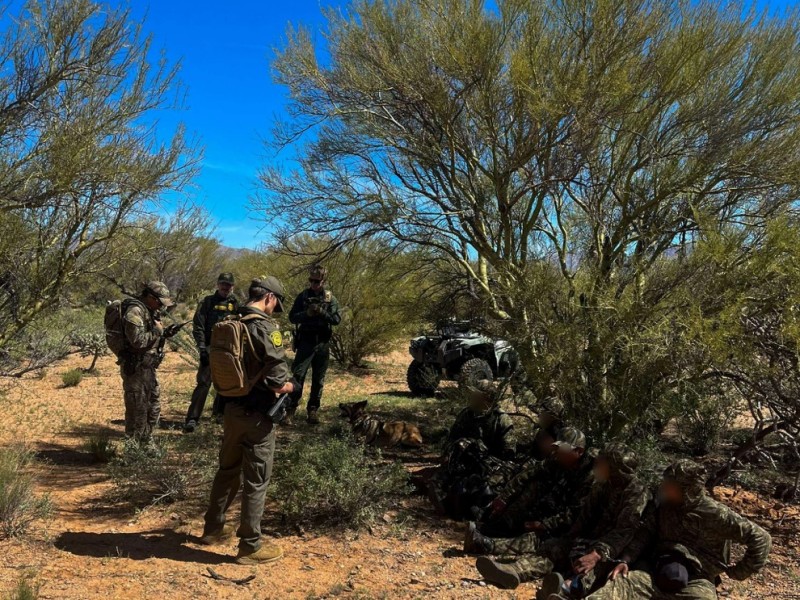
(315,280)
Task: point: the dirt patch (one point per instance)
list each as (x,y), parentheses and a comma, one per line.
(94,548)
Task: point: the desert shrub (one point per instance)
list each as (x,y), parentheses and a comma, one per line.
(167,469)
(101,447)
(72,377)
(703,426)
(332,480)
(24,590)
(19,504)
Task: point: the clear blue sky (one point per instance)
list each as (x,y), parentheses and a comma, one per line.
(225,50)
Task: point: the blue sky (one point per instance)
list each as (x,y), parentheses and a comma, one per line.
(225,51)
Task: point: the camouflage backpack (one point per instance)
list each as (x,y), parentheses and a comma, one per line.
(114,325)
(230,352)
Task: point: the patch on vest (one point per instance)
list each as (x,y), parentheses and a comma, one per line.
(276,338)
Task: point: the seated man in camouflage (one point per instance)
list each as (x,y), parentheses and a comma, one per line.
(477,454)
(608,518)
(687,541)
(544,498)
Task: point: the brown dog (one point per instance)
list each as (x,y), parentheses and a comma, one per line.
(384,434)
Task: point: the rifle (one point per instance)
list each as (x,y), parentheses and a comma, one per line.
(170,331)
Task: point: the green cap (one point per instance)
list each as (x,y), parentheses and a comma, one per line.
(225,278)
(270,284)
(569,439)
(160,291)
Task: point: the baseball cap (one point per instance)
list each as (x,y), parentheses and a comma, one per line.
(160,291)
(569,439)
(482,389)
(225,278)
(270,284)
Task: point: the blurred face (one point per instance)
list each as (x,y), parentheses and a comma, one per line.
(544,443)
(670,493)
(568,458)
(546,420)
(479,402)
(224,289)
(602,470)
(315,283)
(152,302)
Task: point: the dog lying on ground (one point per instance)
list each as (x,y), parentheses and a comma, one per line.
(384,434)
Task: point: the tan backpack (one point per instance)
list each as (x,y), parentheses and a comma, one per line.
(229,353)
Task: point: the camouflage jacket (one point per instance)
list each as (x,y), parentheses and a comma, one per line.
(702,531)
(139,325)
(492,427)
(319,325)
(211,310)
(611,514)
(554,494)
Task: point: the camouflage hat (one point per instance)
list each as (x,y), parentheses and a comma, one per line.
(621,458)
(225,278)
(270,284)
(483,389)
(689,475)
(160,291)
(551,409)
(570,439)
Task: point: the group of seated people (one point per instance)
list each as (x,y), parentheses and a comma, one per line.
(582,520)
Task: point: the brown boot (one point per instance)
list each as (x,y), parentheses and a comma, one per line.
(267,553)
(220,535)
(313,417)
(475,542)
(503,575)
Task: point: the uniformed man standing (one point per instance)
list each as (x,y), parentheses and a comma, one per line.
(248,445)
(315,312)
(142,328)
(210,311)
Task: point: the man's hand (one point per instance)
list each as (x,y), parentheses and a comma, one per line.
(158,327)
(314,310)
(172,330)
(536,526)
(587,562)
(204,359)
(620,570)
(287,388)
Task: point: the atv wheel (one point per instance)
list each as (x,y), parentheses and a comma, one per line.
(473,371)
(423,379)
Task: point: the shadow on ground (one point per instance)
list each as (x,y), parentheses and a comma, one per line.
(161,543)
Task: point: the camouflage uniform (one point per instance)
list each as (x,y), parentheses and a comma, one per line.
(248,445)
(312,339)
(698,534)
(608,519)
(138,364)
(210,311)
(545,491)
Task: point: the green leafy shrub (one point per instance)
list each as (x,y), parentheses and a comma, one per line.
(101,447)
(167,469)
(331,480)
(19,505)
(71,378)
(25,590)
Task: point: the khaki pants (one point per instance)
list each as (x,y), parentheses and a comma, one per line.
(142,401)
(248,449)
(638,585)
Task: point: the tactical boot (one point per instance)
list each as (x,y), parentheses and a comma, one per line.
(503,575)
(288,420)
(313,417)
(190,426)
(475,542)
(267,553)
(220,535)
(552,588)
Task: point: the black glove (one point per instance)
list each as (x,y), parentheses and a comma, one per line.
(204,360)
(172,330)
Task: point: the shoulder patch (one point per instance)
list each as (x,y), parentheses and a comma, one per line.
(276,338)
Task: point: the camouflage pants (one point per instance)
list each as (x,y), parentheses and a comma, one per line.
(639,586)
(248,449)
(536,558)
(142,400)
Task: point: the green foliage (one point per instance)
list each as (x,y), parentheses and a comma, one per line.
(101,447)
(26,589)
(167,469)
(331,480)
(20,505)
(71,378)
